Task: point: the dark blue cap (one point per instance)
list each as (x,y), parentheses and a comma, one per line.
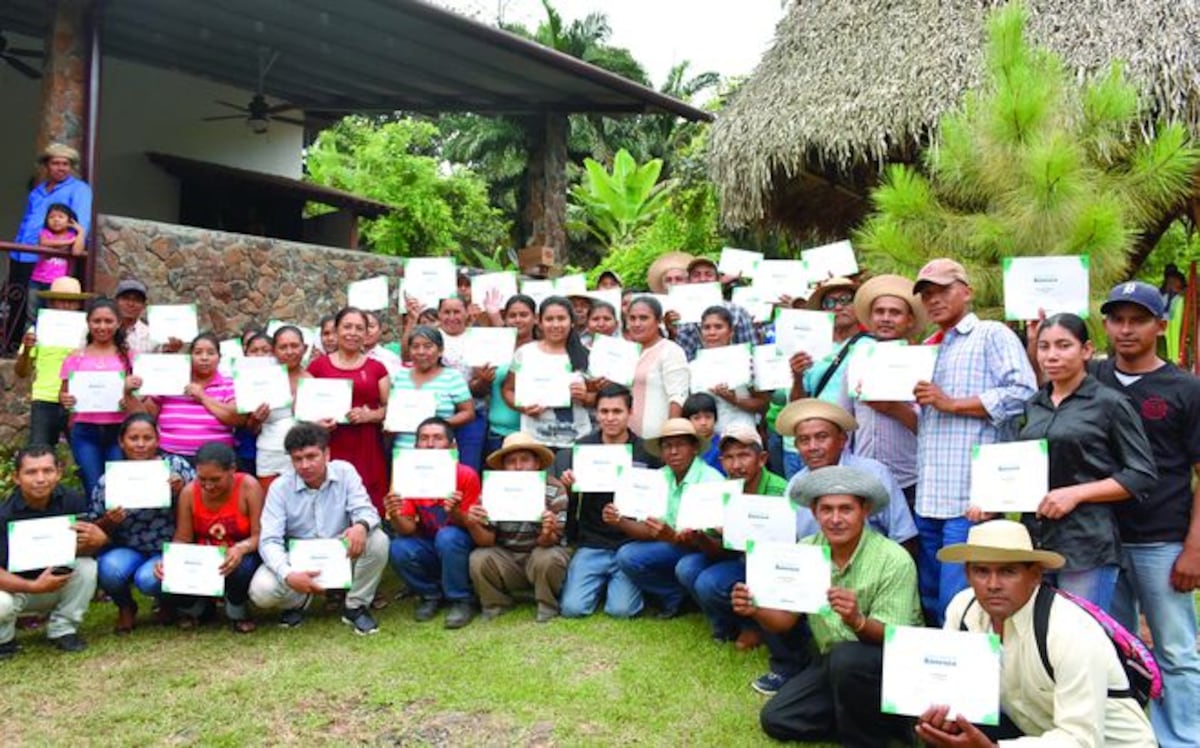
(1135,292)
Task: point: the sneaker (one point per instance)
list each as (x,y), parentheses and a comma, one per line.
(459,615)
(426,610)
(290,619)
(9,648)
(769,684)
(361,620)
(69,643)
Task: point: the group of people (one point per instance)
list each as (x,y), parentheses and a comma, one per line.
(883,485)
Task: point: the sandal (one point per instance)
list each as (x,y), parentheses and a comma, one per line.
(243,626)
(126,616)
(380,602)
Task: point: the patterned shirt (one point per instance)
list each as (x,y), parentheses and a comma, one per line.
(448,388)
(883,578)
(687,335)
(976,358)
(521,537)
(138,338)
(144,530)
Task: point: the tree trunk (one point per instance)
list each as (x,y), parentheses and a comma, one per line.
(544,215)
(65,77)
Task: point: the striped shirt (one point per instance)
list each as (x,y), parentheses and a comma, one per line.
(687,335)
(186,425)
(975,359)
(448,387)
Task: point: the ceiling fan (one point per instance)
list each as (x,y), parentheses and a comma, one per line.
(258,113)
(13,56)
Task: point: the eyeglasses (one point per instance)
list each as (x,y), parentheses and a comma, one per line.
(834,300)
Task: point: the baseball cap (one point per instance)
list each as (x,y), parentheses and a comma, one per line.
(942,272)
(1135,292)
(131,285)
(742,435)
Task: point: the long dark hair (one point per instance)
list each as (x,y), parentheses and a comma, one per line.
(576,350)
(1072,323)
(61,208)
(528,301)
(103,302)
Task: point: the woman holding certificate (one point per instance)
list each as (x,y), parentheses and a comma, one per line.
(545,384)
(520,313)
(661,380)
(272,424)
(737,405)
(95,388)
(452,400)
(471,435)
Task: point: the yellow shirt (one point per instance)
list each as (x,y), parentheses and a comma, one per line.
(47,363)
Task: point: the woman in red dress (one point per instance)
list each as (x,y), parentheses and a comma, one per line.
(359,441)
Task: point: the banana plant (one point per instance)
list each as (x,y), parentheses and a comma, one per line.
(615,206)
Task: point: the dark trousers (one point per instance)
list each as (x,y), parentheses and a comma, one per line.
(836,698)
(47,422)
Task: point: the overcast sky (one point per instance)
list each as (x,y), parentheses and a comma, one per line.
(726,37)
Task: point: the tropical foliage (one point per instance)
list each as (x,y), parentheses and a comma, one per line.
(615,206)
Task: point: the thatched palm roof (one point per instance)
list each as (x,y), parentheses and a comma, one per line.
(849,84)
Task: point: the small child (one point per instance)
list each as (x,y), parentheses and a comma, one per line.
(61,230)
(701,409)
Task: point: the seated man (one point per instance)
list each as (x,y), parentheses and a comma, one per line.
(511,556)
(433,546)
(593,568)
(835,697)
(64,594)
(650,560)
(1085,701)
(323,498)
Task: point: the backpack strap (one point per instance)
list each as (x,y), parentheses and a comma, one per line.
(962,622)
(1041,624)
(834,364)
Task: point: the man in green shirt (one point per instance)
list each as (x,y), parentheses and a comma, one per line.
(649,561)
(874,584)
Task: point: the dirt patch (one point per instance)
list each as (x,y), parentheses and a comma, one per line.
(444,729)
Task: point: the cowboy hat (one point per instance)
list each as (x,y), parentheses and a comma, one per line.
(59,150)
(833,284)
(517,442)
(809,408)
(837,480)
(659,268)
(999,541)
(65,288)
(889,285)
(677,427)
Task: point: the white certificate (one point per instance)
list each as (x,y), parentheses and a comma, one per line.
(805,330)
(691,299)
(61,328)
(772,369)
(329,556)
(425,473)
(571,285)
(428,280)
(504,284)
(539,290)
(231,349)
(163,373)
(757,304)
(614,359)
(41,543)
(924,667)
(888,373)
(830,261)
(172,321)
(190,569)
(597,467)
(370,294)
(739,262)
(758,518)
(258,380)
(137,484)
(319,399)
(789,576)
(543,381)
(490,346)
(97,391)
(514,495)
(778,278)
(407,408)
(1010,477)
(702,505)
(728,365)
(1048,284)
(642,493)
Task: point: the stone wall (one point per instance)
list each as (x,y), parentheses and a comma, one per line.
(14,404)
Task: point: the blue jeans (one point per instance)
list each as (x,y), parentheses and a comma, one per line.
(121,569)
(237,593)
(435,568)
(92,445)
(650,565)
(938,582)
(710,582)
(593,570)
(1144,586)
(1095,585)
(471,438)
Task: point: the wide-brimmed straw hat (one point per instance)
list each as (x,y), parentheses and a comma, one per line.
(999,541)
(659,268)
(838,480)
(677,427)
(59,150)
(889,285)
(809,408)
(65,288)
(833,284)
(517,442)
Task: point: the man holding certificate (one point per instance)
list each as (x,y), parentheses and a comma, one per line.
(521,555)
(688,335)
(323,498)
(45,567)
(836,695)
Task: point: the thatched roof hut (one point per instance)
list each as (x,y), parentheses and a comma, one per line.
(849,85)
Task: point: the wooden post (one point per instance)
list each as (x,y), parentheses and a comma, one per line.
(544,214)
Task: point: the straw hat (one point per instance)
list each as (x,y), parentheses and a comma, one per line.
(833,284)
(889,285)
(676,427)
(659,268)
(838,480)
(809,408)
(59,150)
(999,541)
(65,288)
(517,442)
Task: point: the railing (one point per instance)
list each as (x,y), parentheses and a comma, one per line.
(14,297)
